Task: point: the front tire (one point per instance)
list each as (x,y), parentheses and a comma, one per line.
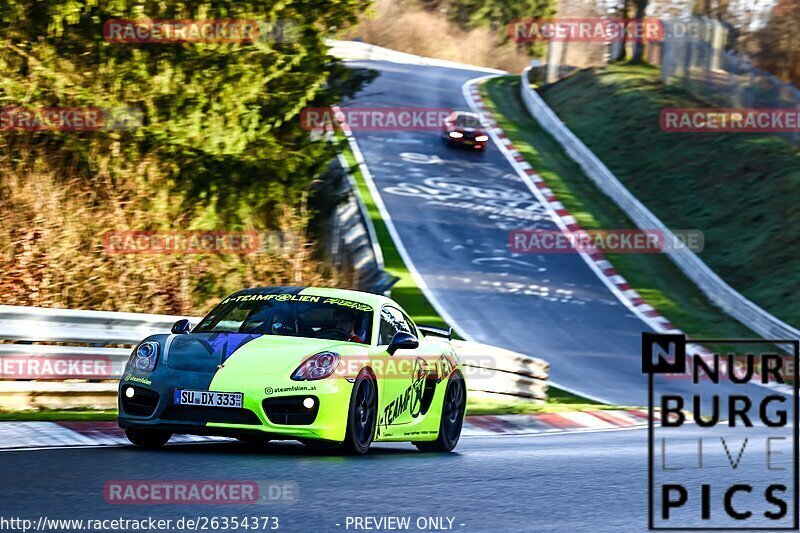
(362,415)
(453,407)
(148,438)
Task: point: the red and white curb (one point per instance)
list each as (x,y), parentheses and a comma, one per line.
(39,435)
(618,285)
(25,435)
(564,219)
(540,423)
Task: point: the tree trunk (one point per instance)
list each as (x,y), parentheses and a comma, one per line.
(622,48)
(638,44)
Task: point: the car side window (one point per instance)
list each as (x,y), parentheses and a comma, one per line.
(411,327)
(403,323)
(392,321)
(387,327)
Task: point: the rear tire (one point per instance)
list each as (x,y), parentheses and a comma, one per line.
(148,438)
(453,406)
(362,415)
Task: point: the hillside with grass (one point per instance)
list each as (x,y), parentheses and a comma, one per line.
(740,189)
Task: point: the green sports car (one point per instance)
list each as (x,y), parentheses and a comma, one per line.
(327,367)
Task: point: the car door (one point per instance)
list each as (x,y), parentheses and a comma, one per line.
(396,374)
(424,372)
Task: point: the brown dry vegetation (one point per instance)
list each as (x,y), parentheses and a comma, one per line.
(52,225)
(218,147)
(401,26)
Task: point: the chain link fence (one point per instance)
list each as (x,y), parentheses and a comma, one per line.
(695,56)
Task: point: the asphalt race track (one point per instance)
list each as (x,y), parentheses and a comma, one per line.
(551,306)
(568,482)
(516,481)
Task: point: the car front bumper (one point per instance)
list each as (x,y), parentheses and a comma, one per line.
(464,143)
(274,411)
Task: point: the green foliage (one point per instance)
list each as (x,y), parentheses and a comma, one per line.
(221,147)
(498,14)
(221,119)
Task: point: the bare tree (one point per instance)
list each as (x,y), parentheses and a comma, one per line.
(622,13)
(777,42)
(638,44)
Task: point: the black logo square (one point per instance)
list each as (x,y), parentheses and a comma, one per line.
(663,353)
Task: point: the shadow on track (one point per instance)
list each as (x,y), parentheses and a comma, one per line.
(288,449)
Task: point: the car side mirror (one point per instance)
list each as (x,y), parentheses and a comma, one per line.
(181,326)
(402,340)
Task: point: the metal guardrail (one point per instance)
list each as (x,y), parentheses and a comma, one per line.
(353,240)
(509,373)
(19,323)
(719,292)
(108,337)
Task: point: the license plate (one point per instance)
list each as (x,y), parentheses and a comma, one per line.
(208,399)
(469,142)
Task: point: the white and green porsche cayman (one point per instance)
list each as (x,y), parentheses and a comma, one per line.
(318,365)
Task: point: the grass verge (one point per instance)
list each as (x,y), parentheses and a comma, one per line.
(740,189)
(558,401)
(654,276)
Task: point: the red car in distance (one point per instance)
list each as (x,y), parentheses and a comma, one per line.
(464,129)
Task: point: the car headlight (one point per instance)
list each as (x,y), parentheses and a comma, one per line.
(145,356)
(482,138)
(456,134)
(318,366)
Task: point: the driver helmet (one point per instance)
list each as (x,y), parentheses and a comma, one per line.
(282,324)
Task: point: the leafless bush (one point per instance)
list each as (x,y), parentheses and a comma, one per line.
(52,253)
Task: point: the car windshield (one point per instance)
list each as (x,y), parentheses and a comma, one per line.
(467,121)
(291,315)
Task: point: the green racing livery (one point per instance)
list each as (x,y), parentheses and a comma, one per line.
(327,367)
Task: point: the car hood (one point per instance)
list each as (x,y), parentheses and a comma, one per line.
(246,353)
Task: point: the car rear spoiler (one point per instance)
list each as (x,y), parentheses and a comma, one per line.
(439,332)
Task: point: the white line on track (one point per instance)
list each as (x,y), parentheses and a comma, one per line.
(401,249)
(526,179)
(545,433)
(657,323)
(556,432)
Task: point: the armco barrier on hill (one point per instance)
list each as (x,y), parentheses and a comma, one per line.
(719,292)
